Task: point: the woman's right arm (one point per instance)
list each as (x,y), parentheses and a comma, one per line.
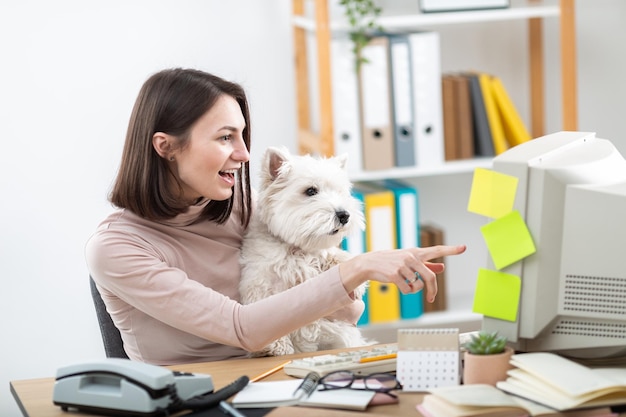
(138,277)
(399,267)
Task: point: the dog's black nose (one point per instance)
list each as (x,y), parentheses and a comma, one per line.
(343,216)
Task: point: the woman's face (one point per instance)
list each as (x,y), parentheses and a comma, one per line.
(216,150)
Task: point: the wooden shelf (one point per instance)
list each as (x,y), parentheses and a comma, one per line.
(534,11)
(451,167)
(529,10)
(464,320)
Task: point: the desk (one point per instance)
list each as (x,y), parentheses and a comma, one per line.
(34,396)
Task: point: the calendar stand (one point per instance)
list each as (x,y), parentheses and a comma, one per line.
(428,358)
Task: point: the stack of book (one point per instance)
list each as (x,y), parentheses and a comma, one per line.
(541,384)
(479,117)
(392,221)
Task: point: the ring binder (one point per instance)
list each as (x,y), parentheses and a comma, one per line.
(375,89)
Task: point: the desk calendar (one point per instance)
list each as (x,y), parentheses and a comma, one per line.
(428,358)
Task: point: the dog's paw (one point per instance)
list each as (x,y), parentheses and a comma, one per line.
(337,256)
(280,347)
(369,342)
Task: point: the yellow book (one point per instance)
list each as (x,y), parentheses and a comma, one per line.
(512,124)
(380,234)
(495,124)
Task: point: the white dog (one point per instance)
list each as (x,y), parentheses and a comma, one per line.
(305,209)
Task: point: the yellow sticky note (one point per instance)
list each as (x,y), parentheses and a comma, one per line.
(508,239)
(497,295)
(492,193)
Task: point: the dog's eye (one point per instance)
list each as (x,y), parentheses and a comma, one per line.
(311,191)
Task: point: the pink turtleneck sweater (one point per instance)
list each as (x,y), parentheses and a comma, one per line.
(171,288)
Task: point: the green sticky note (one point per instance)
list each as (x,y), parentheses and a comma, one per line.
(497,295)
(492,193)
(508,239)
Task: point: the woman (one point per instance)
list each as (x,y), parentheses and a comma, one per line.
(166,263)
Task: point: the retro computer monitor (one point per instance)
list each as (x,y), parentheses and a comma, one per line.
(572,195)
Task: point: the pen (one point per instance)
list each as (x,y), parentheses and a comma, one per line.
(270,372)
(308,385)
(378,358)
(229,410)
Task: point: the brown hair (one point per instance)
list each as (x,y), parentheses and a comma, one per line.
(171,101)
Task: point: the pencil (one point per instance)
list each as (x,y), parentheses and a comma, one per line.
(378,358)
(270,372)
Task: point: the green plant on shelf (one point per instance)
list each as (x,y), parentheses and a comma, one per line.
(361,15)
(485,343)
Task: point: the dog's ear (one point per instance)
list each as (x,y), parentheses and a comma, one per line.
(274,159)
(342,160)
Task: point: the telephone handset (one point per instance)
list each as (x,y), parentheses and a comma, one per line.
(123,387)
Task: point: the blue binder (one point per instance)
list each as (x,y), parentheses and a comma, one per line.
(355,244)
(406,200)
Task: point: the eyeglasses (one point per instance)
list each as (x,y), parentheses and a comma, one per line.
(380,382)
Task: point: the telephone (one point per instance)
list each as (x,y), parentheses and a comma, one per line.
(117,386)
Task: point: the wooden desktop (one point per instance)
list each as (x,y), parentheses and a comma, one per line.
(34,396)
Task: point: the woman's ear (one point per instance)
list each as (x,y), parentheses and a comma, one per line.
(161,142)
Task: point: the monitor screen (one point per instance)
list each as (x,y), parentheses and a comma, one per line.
(572,195)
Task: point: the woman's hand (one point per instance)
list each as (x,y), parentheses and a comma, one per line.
(409,268)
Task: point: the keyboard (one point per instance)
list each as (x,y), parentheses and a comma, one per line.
(365,361)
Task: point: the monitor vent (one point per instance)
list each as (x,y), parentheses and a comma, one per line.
(590,329)
(598,295)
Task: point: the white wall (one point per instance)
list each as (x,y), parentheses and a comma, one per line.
(69,73)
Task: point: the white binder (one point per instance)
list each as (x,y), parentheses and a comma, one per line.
(428,115)
(345,90)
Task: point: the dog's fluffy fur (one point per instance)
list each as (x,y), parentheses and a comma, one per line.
(305,208)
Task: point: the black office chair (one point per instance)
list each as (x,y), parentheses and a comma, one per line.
(111,337)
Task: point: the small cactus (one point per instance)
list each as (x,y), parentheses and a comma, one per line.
(485,343)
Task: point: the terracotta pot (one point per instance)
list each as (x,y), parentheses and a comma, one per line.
(486,369)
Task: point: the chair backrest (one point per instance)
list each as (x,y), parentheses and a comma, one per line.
(111,337)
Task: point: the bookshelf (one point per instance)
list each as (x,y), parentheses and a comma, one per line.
(441,186)
(533,11)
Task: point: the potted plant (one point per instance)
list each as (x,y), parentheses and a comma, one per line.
(486,359)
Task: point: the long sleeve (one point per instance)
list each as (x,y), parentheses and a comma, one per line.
(173,291)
